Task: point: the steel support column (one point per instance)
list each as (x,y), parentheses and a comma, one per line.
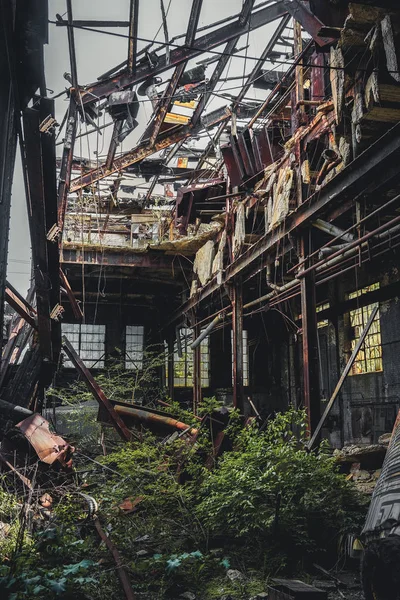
(311,388)
(196,372)
(237,342)
(171,367)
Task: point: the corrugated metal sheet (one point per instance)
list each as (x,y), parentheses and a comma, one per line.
(48,446)
(384,511)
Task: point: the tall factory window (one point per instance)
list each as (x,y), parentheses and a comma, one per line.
(369,358)
(245,357)
(88,341)
(134,346)
(183,365)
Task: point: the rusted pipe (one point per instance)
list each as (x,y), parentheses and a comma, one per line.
(366,218)
(206,331)
(354,244)
(330,160)
(152,418)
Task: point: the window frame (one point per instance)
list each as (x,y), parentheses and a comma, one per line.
(78,334)
(369,358)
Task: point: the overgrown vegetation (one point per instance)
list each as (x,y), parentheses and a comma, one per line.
(267,507)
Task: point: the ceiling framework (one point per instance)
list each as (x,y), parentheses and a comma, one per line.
(276,178)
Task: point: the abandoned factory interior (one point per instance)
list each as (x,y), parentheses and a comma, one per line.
(199,299)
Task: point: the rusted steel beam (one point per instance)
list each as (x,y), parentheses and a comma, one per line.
(308,21)
(36,201)
(370,167)
(79,23)
(311,383)
(66,161)
(165,103)
(264,56)
(7,357)
(47,143)
(167,98)
(143,150)
(122,574)
(95,256)
(346,371)
(196,372)
(209,41)
(214,79)
(279,85)
(113,143)
(237,328)
(76,309)
(133,31)
(20,305)
(171,367)
(96,390)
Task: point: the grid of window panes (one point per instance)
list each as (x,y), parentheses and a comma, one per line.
(245,357)
(369,358)
(134,346)
(183,365)
(88,341)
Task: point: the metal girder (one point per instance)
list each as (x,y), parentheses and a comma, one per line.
(259,64)
(76,309)
(166,100)
(80,23)
(66,161)
(278,86)
(342,379)
(168,158)
(8,139)
(71,44)
(370,166)
(215,78)
(33,164)
(143,150)
(133,31)
(310,367)
(213,39)
(308,21)
(245,12)
(124,258)
(222,62)
(21,306)
(113,143)
(96,390)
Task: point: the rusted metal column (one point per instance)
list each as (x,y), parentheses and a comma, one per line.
(237,342)
(171,367)
(196,371)
(311,385)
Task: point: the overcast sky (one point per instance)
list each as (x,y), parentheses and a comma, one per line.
(96,54)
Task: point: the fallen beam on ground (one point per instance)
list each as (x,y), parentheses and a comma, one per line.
(152,418)
(96,390)
(122,574)
(342,379)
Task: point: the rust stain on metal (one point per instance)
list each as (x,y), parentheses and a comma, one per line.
(48,446)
